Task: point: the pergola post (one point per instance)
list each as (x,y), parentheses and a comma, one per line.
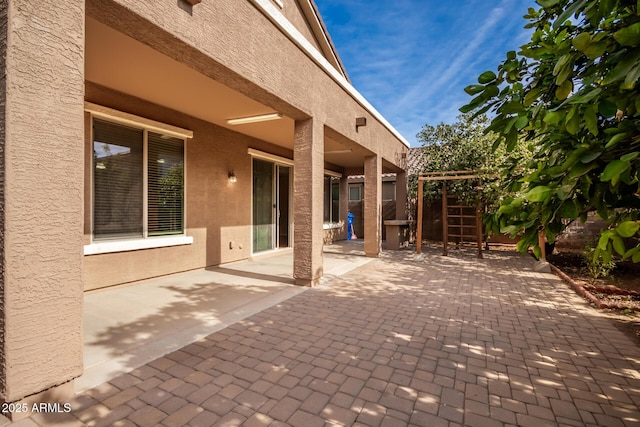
(542,244)
(479,229)
(479,221)
(445,220)
(420,210)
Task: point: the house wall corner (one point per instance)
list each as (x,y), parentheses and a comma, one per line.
(42,195)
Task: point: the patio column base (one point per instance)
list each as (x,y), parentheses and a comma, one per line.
(542,266)
(308,283)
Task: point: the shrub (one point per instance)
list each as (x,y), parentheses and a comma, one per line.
(597,267)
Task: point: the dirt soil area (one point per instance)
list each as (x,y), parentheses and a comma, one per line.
(619,292)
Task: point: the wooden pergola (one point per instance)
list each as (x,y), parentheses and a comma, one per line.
(448,176)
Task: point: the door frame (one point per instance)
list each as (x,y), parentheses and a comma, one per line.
(276,161)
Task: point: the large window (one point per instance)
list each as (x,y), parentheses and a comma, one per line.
(331,199)
(138,182)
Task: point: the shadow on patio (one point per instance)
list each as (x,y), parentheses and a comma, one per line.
(408,340)
(128,326)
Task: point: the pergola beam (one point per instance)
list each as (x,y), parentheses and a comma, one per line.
(447,178)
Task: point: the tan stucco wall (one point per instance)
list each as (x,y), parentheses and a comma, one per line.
(45,144)
(217,212)
(295,15)
(215,39)
(308,180)
(372,205)
(3,127)
(43,192)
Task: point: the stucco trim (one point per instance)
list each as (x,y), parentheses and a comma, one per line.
(320,31)
(332,225)
(96,248)
(279,20)
(111,114)
(268,156)
(332,173)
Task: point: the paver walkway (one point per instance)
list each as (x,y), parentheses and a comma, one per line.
(443,341)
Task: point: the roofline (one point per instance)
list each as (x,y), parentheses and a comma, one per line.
(278,19)
(326,37)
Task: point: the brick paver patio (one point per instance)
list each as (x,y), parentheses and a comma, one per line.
(442,341)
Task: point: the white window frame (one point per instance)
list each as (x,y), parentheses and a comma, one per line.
(359,187)
(276,161)
(332,224)
(145,242)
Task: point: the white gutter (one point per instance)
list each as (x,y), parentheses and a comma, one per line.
(275,16)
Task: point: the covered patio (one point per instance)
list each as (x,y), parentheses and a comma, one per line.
(161,137)
(128,326)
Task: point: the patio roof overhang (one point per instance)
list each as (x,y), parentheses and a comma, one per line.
(119,62)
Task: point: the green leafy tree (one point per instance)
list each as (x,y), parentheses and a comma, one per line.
(464,145)
(573,88)
(454,147)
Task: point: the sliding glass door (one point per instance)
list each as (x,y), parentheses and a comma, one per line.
(284,182)
(271,212)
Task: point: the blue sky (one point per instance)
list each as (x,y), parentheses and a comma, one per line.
(412,59)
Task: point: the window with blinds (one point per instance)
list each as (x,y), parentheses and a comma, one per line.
(165,185)
(331,199)
(129,199)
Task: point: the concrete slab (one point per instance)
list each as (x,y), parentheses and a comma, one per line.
(128,326)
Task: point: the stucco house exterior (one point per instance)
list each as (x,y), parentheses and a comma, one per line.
(146,138)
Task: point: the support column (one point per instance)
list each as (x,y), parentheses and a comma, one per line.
(344,204)
(372,205)
(445,220)
(419,215)
(41,198)
(308,174)
(401,195)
